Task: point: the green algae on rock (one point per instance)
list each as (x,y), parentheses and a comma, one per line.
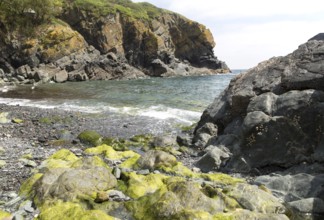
(4,215)
(90,137)
(139,185)
(254,199)
(170,202)
(176,193)
(73,184)
(61,159)
(26,188)
(109,152)
(154,159)
(69,210)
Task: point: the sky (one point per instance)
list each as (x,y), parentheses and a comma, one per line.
(251,31)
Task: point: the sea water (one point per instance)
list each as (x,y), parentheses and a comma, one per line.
(180,98)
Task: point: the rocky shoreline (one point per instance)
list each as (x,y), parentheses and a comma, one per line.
(31,136)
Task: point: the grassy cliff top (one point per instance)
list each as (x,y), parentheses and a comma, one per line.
(30,13)
(141,10)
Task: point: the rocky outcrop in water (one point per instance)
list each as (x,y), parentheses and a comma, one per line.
(106,42)
(271,119)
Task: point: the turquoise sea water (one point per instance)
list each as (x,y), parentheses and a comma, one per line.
(181,98)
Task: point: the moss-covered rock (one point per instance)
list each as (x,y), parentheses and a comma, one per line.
(179,199)
(4,215)
(140,185)
(130,163)
(245,214)
(74,184)
(92,138)
(221,178)
(254,199)
(61,159)
(17,121)
(26,189)
(154,159)
(179,170)
(69,210)
(2,163)
(109,152)
(4,117)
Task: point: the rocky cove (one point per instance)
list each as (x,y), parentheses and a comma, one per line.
(256,152)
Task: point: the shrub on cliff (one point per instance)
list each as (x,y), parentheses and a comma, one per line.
(24,13)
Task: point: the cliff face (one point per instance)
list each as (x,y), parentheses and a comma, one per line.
(140,39)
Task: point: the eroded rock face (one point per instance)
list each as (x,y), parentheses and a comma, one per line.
(272,113)
(167,44)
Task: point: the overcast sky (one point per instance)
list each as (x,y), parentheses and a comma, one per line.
(250,31)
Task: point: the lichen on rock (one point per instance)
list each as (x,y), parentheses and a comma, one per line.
(68,210)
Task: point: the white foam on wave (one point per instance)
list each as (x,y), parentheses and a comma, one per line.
(163,112)
(160,112)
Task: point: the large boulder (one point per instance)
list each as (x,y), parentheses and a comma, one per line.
(273,112)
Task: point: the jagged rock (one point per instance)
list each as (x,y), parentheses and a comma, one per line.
(160,69)
(213,159)
(272,109)
(23,71)
(319,36)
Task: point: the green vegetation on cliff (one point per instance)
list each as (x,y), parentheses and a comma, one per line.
(142,10)
(28,13)
(24,13)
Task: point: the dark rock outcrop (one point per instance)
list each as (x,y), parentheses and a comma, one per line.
(270,119)
(273,109)
(90,44)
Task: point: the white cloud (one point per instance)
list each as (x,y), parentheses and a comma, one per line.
(250,31)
